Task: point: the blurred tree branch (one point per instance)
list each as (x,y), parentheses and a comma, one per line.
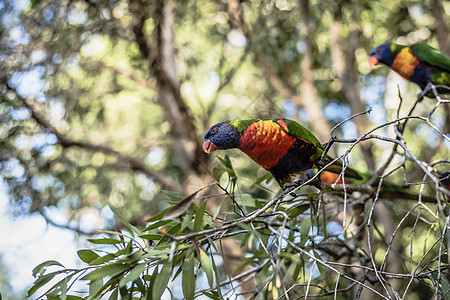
(161,62)
(135,163)
(344,66)
(307,97)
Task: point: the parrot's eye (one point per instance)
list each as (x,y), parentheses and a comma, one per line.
(214,130)
(378,50)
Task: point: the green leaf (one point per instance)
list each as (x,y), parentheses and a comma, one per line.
(87,255)
(94,287)
(43,279)
(161,281)
(298,209)
(299,266)
(319,265)
(226,161)
(72,297)
(216,273)
(133,275)
(207,267)
(102,259)
(266,177)
(108,270)
(125,250)
(40,269)
(188,277)
(180,208)
(114,295)
(218,172)
(156,217)
(212,295)
(178,271)
(157,225)
(110,241)
(187,220)
(59,290)
(199,216)
(151,237)
(247,200)
(113,232)
(142,288)
(250,230)
(130,227)
(305,227)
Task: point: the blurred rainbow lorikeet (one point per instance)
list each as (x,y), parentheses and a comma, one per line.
(418,63)
(281,146)
(286,148)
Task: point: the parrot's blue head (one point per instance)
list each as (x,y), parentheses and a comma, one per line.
(221,136)
(381,54)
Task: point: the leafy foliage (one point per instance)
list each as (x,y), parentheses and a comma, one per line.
(289,250)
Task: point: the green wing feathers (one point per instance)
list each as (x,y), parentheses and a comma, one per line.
(299,131)
(432,56)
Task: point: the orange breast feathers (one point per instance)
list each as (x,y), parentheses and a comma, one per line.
(405,63)
(266,142)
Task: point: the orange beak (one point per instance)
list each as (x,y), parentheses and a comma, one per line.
(373,61)
(209,147)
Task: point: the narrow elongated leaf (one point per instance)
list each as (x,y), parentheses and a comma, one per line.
(87,255)
(108,270)
(180,208)
(305,227)
(157,217)
(41,281)
(102,259)
(298,209)
(319,266)
(114,295)
(112,232)
(157,225)
(199,216)
(216,273)
(110,241)
(151,237)
(58,290)
(188,277)
(212,295)
(130,227)
(133,275)
(161,281)
(140,285)
(95,286)
(207,267)
(218,172)
(266,177)
(39,269)
(72,297)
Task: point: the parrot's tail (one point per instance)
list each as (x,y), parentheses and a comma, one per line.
(337,166)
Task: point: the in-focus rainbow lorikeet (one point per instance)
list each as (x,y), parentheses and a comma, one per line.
(418,63)
(281,146)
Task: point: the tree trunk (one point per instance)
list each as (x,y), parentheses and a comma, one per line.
(346,72)
(189,156)
(308,96)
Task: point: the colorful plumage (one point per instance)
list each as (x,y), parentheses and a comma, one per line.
(418,63)
(281,146)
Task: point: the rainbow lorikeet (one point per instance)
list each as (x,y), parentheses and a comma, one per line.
(418,63)
(281,146)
